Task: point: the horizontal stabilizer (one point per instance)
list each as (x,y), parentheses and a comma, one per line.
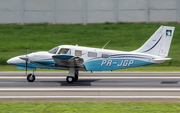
(161,60)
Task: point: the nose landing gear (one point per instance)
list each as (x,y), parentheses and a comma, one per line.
(31,77)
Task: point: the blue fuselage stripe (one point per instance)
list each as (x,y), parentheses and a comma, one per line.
(113,64)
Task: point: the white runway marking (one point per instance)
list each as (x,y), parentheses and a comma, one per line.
(5,77)
(87,97)
(9,82)
(89,89)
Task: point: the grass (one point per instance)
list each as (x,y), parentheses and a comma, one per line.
(123,36)
(90,107)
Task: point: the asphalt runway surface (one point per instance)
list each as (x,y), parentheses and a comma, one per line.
(98,86)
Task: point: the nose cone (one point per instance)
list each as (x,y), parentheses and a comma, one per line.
(15,61)
(10,61)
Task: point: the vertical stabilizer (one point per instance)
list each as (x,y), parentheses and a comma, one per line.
(159,43)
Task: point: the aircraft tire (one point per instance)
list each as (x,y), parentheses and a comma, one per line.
(70,79)
(76,78)
(31,78)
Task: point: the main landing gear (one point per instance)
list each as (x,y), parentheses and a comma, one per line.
(31,77)
(73,75)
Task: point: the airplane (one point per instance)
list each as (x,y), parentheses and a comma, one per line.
(78,58)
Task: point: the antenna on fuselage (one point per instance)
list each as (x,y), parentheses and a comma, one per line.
(106,44)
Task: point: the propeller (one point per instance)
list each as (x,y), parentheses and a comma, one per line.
(25,57)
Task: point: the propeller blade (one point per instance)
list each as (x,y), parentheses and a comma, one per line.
(31,46)
(26,51)
(26,67)
(26,59)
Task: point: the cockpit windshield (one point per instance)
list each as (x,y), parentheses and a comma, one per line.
(54,50)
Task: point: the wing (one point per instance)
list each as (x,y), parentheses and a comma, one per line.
(66,61)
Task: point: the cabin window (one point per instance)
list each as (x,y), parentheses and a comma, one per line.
(54,50)
(64,51)
(92,54)
(105,56)
(78,53)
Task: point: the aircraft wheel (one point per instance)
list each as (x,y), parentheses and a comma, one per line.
(76,77)
(70,79)
(31,78)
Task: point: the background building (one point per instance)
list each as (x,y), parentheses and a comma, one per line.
(88,11)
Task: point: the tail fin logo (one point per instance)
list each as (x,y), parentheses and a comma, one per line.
(168,32)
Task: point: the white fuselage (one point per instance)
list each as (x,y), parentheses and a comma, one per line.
(94,59)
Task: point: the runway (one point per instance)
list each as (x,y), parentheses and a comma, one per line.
(99,86)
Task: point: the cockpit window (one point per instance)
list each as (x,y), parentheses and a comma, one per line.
(64,51)
(54,50)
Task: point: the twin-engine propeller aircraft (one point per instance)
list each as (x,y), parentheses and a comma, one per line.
(78,58)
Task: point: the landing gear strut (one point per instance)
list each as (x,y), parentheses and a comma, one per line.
(73,75)
(76,77)
(31,77)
